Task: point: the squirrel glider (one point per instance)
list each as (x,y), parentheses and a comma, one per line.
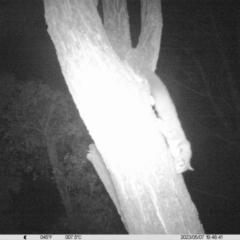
(168,122)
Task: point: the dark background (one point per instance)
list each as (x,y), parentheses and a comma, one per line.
(200,43)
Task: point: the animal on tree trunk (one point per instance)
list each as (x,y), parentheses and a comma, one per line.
(168,122)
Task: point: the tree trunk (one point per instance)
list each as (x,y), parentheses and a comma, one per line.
(60,180)
(114,102)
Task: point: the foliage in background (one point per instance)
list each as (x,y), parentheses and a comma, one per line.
(28,111)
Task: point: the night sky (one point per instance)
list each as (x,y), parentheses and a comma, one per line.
(199,62)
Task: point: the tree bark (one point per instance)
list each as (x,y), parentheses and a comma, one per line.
(114,102)
(60,180)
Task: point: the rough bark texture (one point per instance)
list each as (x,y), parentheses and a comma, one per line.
(116,25)
(96,159)
(115,105)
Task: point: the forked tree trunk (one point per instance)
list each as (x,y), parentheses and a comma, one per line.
(114,104)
